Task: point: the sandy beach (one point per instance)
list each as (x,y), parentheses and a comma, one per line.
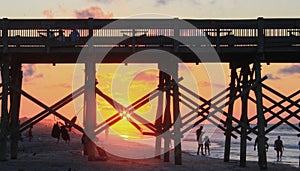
(44,154)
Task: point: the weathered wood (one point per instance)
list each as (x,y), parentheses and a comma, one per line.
(4,112)
(176,116)
(262,157)
(38,102)
(167,120)
(242,39)
(46,112)
(56,106)
(269,109)
(274,114)
(228,132)
(245,72)
(16,75)
(206,117)
(159,116)
(90,107)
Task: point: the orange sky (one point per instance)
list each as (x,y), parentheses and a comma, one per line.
(51,83)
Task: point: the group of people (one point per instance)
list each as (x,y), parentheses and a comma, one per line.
(60,131)
(201,141)
(74,35)
(278,144)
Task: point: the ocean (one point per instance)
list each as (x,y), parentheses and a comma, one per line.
(217,138)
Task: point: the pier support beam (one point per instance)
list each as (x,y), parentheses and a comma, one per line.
(90,107)
(176,116)
(245,71)
(233,91)
(167,119)
(159,116)
(262,158)
(16,78)
(4,111)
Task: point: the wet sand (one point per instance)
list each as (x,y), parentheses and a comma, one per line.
(44,154)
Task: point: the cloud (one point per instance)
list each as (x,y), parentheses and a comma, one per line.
(146,76)
(48,13)
(271,77)
(209,84)
(92,12)
(162,2)
(294,69)
(64,85)
(29,72)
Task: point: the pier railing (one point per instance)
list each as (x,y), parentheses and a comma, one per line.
(234,36)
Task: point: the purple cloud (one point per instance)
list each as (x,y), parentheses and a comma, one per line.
(29,72)
(272,77)
(294,69)
(92,12)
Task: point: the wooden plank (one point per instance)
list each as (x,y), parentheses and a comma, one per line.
(4,112)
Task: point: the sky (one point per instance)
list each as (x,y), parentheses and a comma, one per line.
(50,83)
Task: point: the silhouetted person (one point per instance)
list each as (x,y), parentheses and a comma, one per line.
(266,145)
(74,35)
(65,134)
(206,145)
(30,134)
(199,134)
(56,131)
(51,35)
(84,140)
(278,146)
(61,36)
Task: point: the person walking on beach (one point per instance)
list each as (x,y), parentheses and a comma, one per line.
(199,134)
(278,146)
(206,145)
(256,141)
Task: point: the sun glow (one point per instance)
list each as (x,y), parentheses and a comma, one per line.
(125,115)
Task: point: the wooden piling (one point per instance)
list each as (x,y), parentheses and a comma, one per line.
(176,117)
(232,94)
(167,120)
(16,75)
(159,114)
(90,107)
(245,71)
(262,158)
(4,112)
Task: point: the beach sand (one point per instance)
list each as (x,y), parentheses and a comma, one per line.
(44,154)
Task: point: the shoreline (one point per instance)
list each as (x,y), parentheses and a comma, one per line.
(44,154)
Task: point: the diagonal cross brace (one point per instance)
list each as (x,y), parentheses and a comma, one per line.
(270,110)
(56,106)
(131,108)
(22,92)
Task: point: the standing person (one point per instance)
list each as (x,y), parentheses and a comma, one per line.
(56,131)
(61,36)
(74,35)
(30,134)
(64,134)
(206,144)
(256,141)
(199,134)
(278,146)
